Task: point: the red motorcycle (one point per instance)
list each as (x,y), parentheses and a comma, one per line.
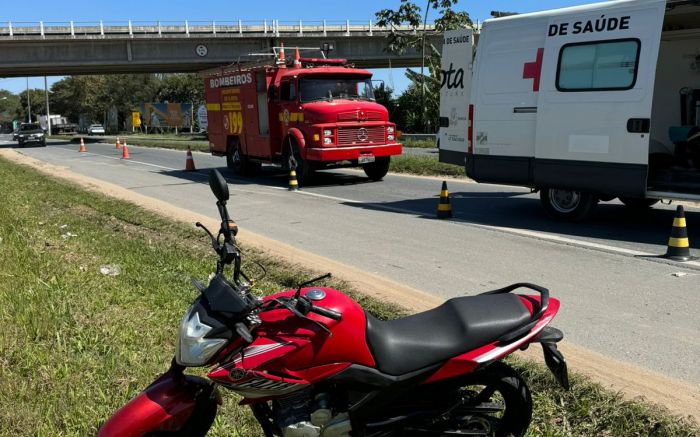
(311,362)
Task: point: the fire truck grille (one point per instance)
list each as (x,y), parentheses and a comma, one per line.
(358,136)
(360,116)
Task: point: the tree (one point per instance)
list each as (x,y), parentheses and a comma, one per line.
(181,88)
(94,96)
(426,109)
(76,95)
(9,106)
(37,98)
(384,96)
(410,13)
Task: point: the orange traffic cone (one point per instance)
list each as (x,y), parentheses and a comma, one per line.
(189,162)
(125,151)
(117,145)
(82,146)
(297,58)
(281,61)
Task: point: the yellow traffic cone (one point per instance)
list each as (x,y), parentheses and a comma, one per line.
(444,208)
(678,243)
(293,183)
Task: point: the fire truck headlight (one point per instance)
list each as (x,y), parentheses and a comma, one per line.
(390,130)
(327,132)
(390,137)
(327,141)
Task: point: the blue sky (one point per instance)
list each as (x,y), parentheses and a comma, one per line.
(230,10)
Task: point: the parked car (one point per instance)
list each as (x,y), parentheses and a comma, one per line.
(96,129)
(31,133)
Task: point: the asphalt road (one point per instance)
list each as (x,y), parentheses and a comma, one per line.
(616,298)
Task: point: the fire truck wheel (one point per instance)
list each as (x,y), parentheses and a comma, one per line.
(378,169)
(239,163)
(303,167)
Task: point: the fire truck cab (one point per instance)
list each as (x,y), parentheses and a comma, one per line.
(311,114)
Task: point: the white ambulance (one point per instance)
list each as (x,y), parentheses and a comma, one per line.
(587,103)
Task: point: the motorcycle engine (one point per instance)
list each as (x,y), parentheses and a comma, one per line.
(301,415)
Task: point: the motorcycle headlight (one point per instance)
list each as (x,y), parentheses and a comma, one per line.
(193,348)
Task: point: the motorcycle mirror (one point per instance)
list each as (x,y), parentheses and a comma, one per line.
(218,185)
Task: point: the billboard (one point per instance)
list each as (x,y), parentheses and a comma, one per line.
(159,115)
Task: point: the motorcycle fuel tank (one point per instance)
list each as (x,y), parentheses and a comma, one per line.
(290,353)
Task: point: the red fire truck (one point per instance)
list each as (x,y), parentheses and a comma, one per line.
(313,113)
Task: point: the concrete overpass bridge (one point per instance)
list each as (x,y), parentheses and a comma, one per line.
(47,49)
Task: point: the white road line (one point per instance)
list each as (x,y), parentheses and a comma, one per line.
(324,196)
(120,159)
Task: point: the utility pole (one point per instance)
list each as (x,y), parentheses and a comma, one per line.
(48,112)
(29,103)
(422,65)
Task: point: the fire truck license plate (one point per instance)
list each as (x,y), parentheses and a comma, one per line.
(365,159)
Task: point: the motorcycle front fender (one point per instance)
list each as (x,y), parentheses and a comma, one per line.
(174,403)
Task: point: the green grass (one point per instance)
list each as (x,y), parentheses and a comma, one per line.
(425,166)
(420,144)
(75,345)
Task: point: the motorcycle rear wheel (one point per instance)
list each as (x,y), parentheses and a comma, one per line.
(497,402)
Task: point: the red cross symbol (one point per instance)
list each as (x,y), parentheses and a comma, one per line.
(533,70)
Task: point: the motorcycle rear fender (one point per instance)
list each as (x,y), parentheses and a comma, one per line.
(174,403)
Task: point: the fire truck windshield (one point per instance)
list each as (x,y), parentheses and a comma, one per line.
(328,88)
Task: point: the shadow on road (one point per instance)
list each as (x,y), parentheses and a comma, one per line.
(518,210)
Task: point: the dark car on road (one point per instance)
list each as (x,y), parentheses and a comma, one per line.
(31,133)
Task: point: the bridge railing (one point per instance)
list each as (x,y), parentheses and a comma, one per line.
(150,29)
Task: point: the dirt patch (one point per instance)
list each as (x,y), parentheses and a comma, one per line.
(680,398)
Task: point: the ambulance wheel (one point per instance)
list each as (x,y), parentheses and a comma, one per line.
(637,203)
(568,205)
(377,169)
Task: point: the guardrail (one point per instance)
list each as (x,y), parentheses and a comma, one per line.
(165,29)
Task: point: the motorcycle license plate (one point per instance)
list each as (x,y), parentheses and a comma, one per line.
(365,159)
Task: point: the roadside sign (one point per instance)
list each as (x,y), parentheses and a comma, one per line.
(202,118)
(136,119)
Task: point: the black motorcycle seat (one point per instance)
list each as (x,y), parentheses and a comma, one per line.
(457,326)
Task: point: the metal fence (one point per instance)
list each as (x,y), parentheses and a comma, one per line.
(162,29)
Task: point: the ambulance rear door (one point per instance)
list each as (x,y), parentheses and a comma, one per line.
(596,87)
(456,78)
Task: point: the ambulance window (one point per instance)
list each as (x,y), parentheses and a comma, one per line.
(288,91)
(598,66)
